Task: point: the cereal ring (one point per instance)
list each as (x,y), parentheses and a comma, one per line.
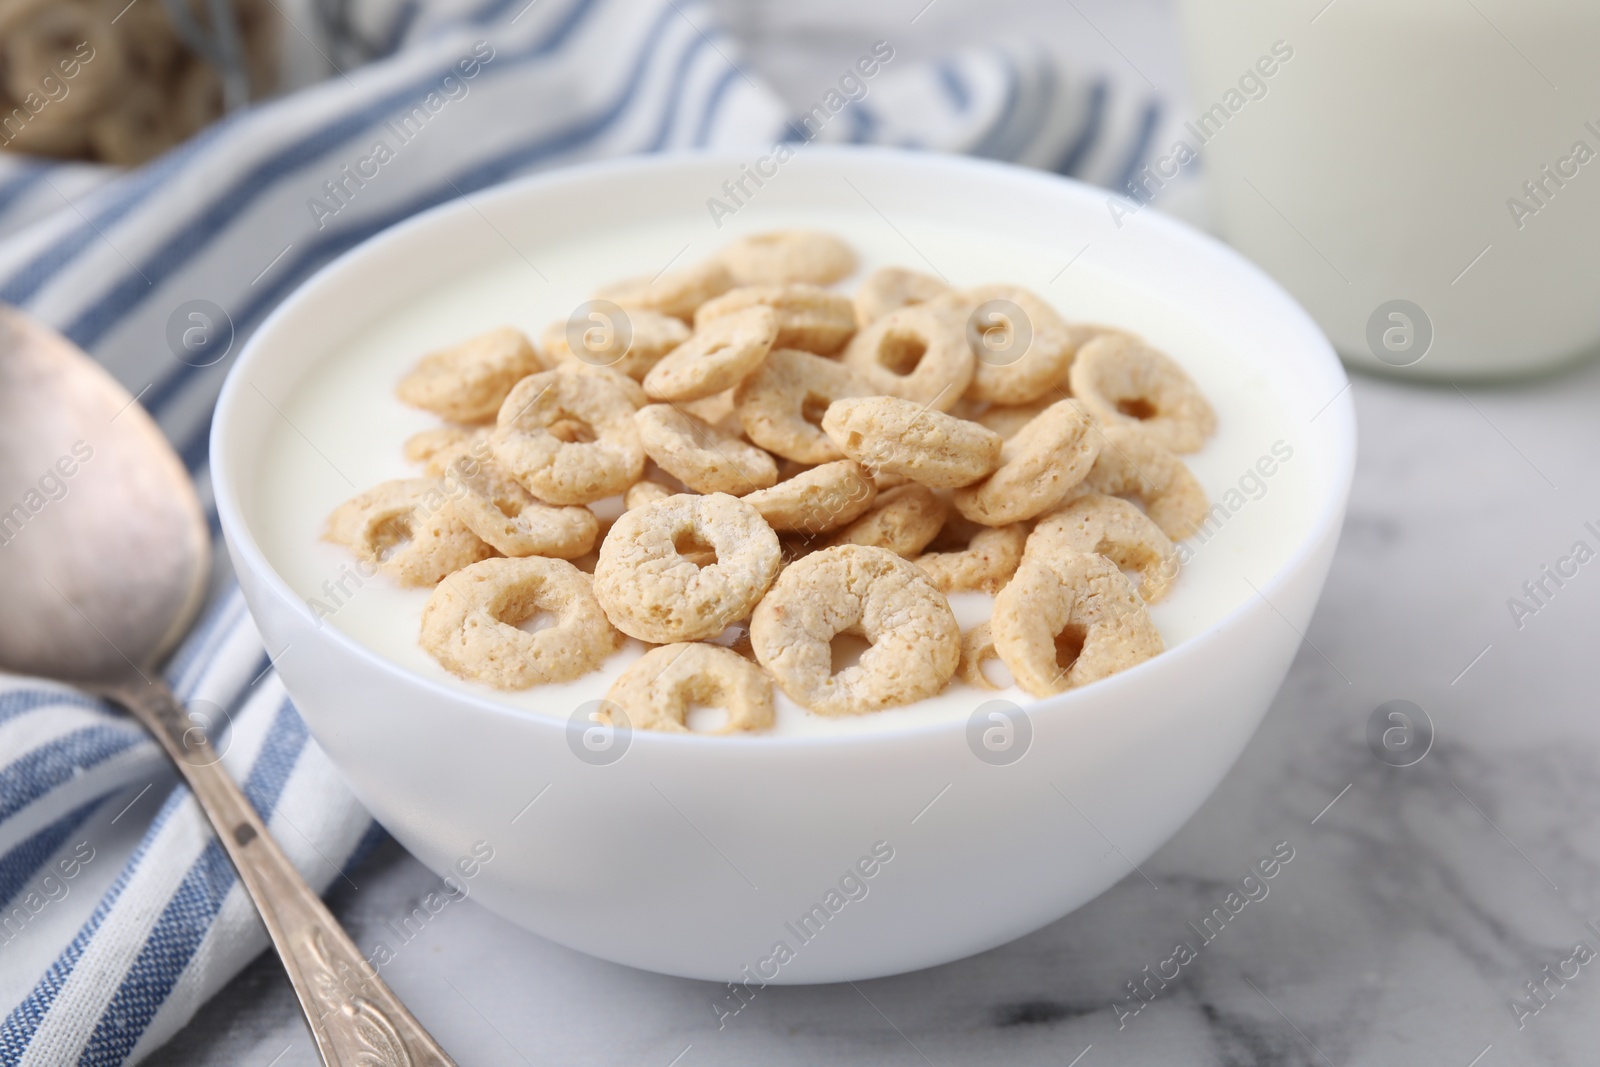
(1130,463)
(809,318)
(409,528)
(977,648)
(678,293)
(470,623)
(885,433)
(434,449)
(1039,467)
(902,520)
(1115,529)
(717,357)
(700,456)
(659,688)
(1007,419)
(868,592)
(781,405)
(818,500)
(645,492)
(918,353)
(785,256)
(498,509)
(651,335)
(1128,383)
(569,438)
(892,288)
(1070,620)
(1017,362)
(718,410)
(628,387)
(469,381)
(985,565)
(651,591)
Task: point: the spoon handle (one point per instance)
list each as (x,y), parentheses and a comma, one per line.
(354,1016)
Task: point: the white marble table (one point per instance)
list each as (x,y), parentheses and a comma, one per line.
(1414,910)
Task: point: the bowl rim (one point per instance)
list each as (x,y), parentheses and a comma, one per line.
(1328,515)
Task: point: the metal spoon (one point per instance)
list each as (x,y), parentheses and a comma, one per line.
(104,559)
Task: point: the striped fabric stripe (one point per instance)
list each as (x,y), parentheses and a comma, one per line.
(105,255)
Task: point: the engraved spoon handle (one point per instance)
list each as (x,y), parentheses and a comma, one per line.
(355,1018)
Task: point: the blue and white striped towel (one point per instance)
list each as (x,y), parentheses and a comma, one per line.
(119,914)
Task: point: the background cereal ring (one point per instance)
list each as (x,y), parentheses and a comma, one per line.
(885,433)
(701,456)
(409,528)
(569,438)
(984,565)
(1068,621)
(785,256)
(1040,466)
(902,520)
(512,520)
(977,648)
(868,592)
(809,318)
(678,293)
(781,405)
(651,335)
(717,357)
(1029,358)
(659,688)
(1130,463)
(1128,383)
(917,353)
(652,591)
(1115,529)
(470,623)
(818,500)
(468,382)
(892,288)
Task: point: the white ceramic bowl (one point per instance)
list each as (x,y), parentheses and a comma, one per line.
(696,856)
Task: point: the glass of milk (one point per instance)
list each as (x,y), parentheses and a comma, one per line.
(1423,175)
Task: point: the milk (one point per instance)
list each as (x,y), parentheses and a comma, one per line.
(342,433)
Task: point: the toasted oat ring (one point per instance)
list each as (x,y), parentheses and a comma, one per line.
(512,520)
(659,688)
(644,492)
(985,565)
(409,528)
(781,405)
(869,592)
(678,293)
(651,591)
(1007,419)
(1128,383)
(1115,529)
(1079,608)
(1039,467)
(977,648)
(630,389)
(701,456)
(470,623)
(818,500)
(785,256)
(1018,361)
(433,450)
(716,357)
(885,433)
(892,288)
(651,335)
(569,438)
(1131,463)
(902,520)
(468,382)
(917,353)
(809,318)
